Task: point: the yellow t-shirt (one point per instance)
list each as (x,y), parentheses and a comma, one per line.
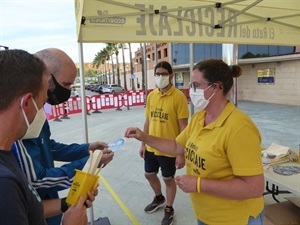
(228,147)
(163,112)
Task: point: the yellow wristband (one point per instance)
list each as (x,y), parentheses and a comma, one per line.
(198,184)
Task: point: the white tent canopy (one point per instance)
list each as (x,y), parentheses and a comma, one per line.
(259,22)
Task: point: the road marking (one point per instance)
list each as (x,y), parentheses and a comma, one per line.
(119,201)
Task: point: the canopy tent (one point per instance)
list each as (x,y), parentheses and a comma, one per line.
(258,22)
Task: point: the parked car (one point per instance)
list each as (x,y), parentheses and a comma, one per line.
(110,88)
(94,87)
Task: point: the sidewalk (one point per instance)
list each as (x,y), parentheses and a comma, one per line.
(124,192)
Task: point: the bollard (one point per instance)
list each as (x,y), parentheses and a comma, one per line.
(128,102)
(65,116)
(118,108)
(57,120)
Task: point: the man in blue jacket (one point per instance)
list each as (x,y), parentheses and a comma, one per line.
(36,154)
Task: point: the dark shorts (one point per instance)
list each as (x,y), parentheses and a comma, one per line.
(153,162)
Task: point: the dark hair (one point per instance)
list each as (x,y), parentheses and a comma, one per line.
(164,65)
(20,73)
(217,71)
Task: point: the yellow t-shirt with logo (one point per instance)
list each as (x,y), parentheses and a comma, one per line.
(163,112)
(228,147)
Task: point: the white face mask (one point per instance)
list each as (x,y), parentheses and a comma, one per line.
(162,81)
(34,129)
(198,99)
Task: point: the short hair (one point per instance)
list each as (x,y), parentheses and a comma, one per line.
(164,65)
(50,58)
(217,71)
(20,73)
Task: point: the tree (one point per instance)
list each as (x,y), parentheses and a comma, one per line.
(131,67)
(111,50)
(100,59)
(115,48)
(124,66)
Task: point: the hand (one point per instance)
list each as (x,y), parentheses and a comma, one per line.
(76,215)
(97,145)
(134,132)
(91,197)
(107,156)
(180,161)
(187,183)
(142,151)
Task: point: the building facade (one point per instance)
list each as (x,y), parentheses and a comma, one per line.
(271,74)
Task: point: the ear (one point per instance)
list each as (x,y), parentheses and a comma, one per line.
(26,100)
(217,86)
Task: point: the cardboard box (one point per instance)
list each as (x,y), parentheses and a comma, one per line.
(283,213)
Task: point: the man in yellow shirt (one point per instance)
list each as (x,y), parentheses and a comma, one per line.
(166,116)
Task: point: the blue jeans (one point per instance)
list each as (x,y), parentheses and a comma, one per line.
(259,220)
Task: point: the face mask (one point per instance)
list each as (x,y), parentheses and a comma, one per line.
(198,99)
(59,94)
(162,81)
(34,129)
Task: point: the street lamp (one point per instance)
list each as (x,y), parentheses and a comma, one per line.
(146,80)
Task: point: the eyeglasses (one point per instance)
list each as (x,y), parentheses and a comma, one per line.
(161,74)
(196,85)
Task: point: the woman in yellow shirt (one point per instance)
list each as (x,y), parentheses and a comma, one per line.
(222,147)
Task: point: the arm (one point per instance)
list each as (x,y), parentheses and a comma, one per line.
(37,163)
(76,215)
(180,160)
(165,145)
(16,197)
(75,152)
(146,130)
(11,199)
(238,188)
(54,207)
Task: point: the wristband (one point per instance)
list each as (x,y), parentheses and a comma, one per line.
(63,205)
(198,184)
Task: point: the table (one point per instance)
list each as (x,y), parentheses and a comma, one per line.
(281,183)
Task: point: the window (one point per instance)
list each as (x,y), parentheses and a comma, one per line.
(165,52)
(159,54)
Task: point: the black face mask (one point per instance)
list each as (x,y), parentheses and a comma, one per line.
(59,94)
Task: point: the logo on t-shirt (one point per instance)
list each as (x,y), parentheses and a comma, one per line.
(159,114)
(192,156)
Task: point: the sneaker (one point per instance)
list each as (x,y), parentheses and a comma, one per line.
(169,217)
(155,204)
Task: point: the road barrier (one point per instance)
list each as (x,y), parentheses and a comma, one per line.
(95,103)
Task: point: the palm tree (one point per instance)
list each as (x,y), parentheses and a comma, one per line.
(131,67)
(124,66)
(106,57)
(98,61)
(114,49)
(111,50)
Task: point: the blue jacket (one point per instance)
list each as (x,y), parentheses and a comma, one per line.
(36,159)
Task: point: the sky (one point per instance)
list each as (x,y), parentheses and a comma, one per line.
(33,25)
